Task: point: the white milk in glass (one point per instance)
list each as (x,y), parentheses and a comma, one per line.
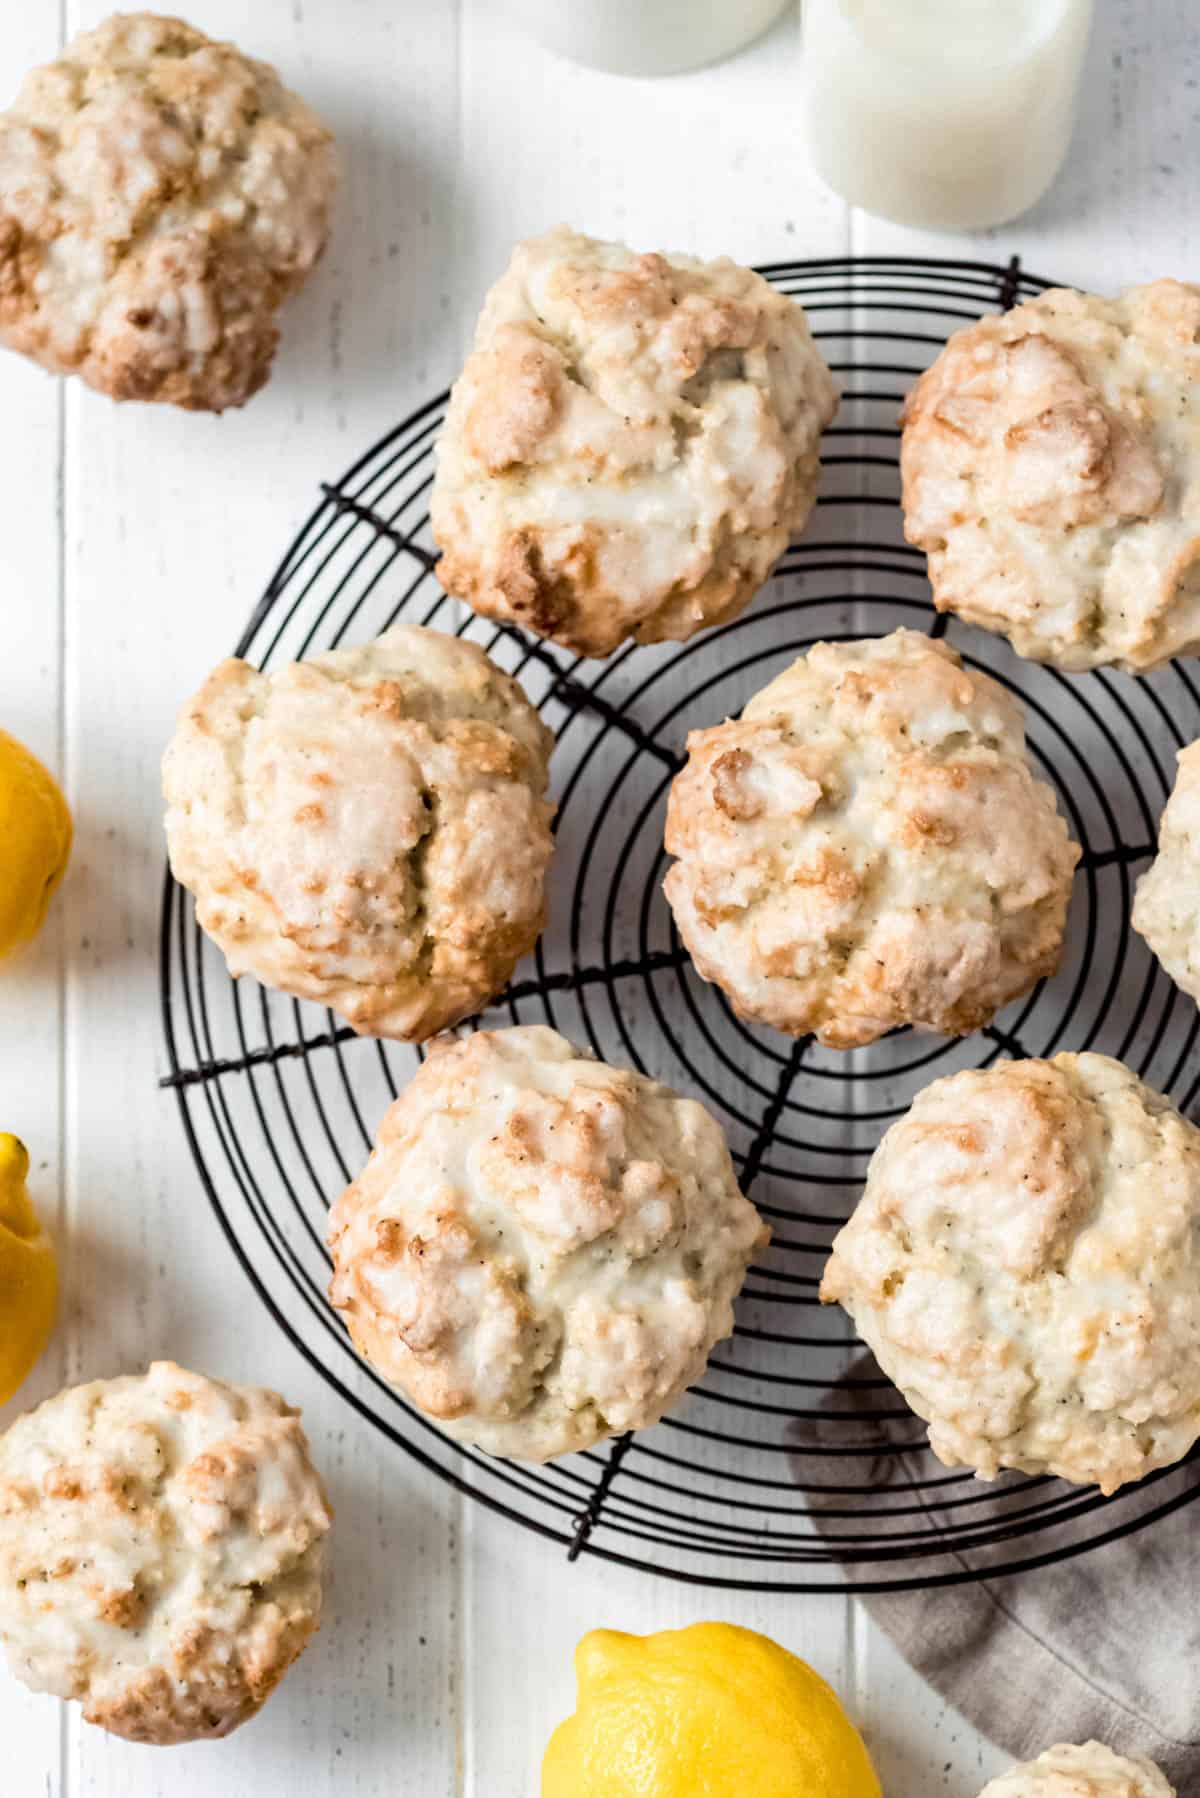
(947,114)
(645,37)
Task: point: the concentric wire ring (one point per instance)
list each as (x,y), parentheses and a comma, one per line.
(774,1473)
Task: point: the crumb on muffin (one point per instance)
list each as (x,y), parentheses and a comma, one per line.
(868,847)
(1050,464)
(367,829)
(542,1249)
(161,196)
(161,1548)
(629,446)
(1022,1265)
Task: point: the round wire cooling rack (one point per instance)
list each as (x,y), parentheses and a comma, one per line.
(793,1465)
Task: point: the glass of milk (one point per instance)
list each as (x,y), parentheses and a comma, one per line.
(946,114)
(645,37)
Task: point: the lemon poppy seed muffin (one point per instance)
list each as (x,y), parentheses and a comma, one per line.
(1022,1264)
(867,846)
(1088,1771)
(161,1548)
(367,829)
(161,195)
(629,445)
(1166,905)
(1051,471)
(542,1249)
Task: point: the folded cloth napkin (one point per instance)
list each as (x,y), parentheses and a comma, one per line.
(1105,1645)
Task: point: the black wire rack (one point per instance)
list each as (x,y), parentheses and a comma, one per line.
(790,1466)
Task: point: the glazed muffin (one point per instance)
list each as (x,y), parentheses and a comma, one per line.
(1022,1263)
(1166,905)
(868,847)
(161,195)
(367,829)
(1051,465)
(542,1250)
(629,445)
(161,1547)
(1090,1771)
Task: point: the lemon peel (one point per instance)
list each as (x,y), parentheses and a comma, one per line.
(28,1272)
(712,1711)
(35,842)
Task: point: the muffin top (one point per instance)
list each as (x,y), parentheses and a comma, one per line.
(1051,464)
(161,1541)
(868,847)
(542,1249)
(160,195)
(367,829)
(1166,905)
(629,444)
(1023,1264)
(1089,1771)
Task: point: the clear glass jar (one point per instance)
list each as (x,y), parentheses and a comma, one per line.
(947,114)
(645,37)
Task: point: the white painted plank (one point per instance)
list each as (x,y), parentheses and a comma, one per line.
(921,1747)
(30,984)
(710,163)
(173,525)
(685,164)
(1118,214)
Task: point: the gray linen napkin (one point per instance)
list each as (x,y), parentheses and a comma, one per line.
(1104,1646)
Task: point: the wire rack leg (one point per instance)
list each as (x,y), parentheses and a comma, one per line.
(589,1517)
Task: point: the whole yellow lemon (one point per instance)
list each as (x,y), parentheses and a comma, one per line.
(707,1712)
(35,841)
(28,1273)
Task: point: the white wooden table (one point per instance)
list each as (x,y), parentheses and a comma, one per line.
(134,543)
